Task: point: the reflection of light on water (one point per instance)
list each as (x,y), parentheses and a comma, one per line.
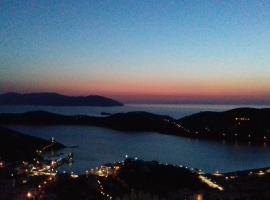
(98,146)
(210,183)
(199,197)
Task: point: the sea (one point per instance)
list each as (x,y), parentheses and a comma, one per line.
(95,146)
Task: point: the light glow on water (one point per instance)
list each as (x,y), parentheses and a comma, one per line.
(99,146)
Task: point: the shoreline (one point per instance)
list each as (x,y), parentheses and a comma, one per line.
(133,176)
(250,125)
(41,177)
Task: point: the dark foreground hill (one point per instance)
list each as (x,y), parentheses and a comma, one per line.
(54,99)
(242,124)
(15,146)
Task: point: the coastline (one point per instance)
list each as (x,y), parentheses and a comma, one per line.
(250,125)
(105,180)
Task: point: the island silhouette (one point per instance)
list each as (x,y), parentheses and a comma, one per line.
(55,99)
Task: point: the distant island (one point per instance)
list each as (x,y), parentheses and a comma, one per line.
(241,124)
(54,99)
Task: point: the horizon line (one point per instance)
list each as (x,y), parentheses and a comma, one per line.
(171,99)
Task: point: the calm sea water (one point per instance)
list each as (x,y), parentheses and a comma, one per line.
(99,146)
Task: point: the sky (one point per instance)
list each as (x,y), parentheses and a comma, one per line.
(183,51)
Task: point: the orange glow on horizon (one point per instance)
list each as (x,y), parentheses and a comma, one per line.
(143,90)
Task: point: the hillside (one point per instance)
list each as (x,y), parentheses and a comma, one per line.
(15,146)
(131,121)
(242,124)
(249,124)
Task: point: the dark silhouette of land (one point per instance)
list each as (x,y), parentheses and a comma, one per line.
(249,124)
(138,179)
(15,146)
(132,177)
(242,124)
(54,99)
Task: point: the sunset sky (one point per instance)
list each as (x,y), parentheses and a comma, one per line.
(138,51)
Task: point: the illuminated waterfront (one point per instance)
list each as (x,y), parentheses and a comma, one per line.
(98,146)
